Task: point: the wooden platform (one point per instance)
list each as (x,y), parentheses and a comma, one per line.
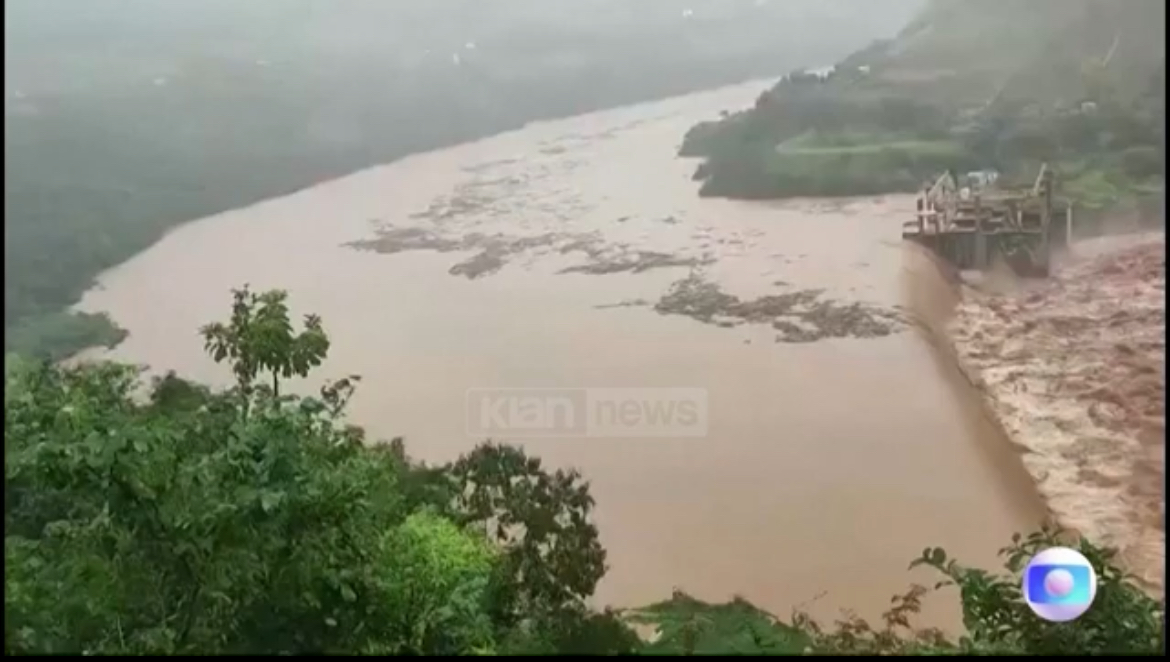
(972,231)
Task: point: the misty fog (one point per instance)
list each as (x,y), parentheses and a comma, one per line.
(124,117)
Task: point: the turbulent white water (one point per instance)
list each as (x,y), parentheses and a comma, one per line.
(1075,369)
(826,466)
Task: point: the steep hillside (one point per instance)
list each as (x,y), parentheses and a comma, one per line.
(968,83)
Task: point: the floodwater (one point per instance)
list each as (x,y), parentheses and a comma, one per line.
(1074,367)
(826,466)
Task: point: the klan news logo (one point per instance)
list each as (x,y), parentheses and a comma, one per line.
(587,412)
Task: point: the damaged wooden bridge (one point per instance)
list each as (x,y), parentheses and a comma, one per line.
(977,225)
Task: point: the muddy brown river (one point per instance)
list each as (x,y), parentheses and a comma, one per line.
(837,446)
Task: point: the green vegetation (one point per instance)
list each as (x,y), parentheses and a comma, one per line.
(176,519)
(969,84)
(57,335)
(835,165)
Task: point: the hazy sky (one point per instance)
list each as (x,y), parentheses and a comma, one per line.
(54,44)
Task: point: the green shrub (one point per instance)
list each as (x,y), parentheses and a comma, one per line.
(996,620)
(55,336)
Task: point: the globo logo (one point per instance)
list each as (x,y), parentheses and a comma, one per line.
(1059,584)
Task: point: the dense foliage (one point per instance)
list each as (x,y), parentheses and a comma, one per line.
(125,118)
(169,518)
(969,84)
(247,521)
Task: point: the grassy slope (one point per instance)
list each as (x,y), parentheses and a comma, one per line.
(968,83)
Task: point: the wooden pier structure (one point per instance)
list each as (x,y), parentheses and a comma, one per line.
(973,227)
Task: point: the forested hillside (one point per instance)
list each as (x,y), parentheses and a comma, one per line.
(126,117)
(968,84)
(244,521)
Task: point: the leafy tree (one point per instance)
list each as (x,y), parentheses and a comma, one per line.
(259,338)
(193,524)
(142,532)
(553,558)
(201,522)
(437,578)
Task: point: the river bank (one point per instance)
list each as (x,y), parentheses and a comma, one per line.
(1073,369)
(892,116)
(575,253)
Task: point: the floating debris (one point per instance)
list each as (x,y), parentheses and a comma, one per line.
(399,240)
(484,263)
(799,316)
(637,263)
(496,250)
(628,303)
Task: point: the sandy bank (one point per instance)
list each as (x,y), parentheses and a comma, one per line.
(1073,368)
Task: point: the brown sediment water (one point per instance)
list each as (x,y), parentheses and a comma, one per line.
(543,258)
(1073,368)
